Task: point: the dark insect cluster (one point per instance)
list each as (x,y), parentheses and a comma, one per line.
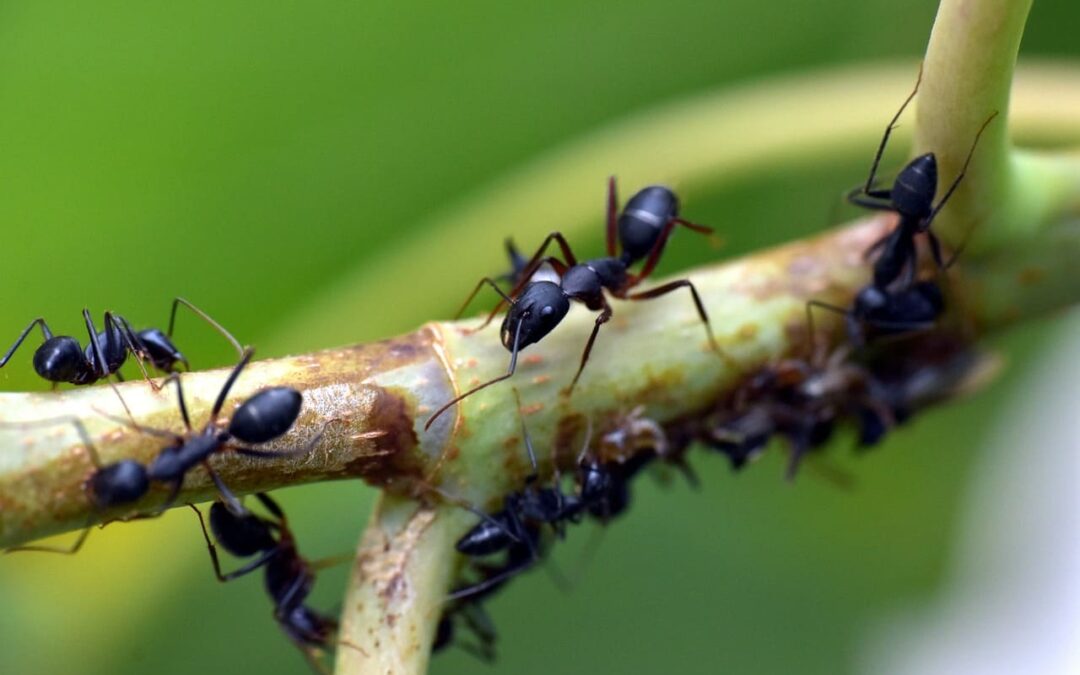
(891,360)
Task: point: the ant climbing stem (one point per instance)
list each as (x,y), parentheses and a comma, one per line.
(911,197)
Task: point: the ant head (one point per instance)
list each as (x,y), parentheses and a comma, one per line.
(124,482)
(266,415)
(915,186)
(160,350)
(536,312)
(59,359)
(241,535)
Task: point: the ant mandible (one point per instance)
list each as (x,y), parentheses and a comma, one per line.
(537,307)
(62,359)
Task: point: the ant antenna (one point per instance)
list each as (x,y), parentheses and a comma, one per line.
(507,375)
(528,441)
(205,317)
(888,131)
(952,188)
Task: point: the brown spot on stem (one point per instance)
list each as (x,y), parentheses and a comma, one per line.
(393,440)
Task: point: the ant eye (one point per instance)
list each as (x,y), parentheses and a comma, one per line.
(547,311)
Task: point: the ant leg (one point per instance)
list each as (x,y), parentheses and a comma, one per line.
(70,550)
(272,454)
(480,284)
(654,255)
(481,587)
(538,259)
(133,343)
(507,375)
(612,217)
(462,503)
(875,200)
(885,138)
(528,441)
(224,393)
(102,368)
(175,377)
(205,317)
(960,176)
(696,227)
(603,318)
(84,435)
(674,285)
(235,574)
(22,336)
(227,496)
(271,506)
(332,561)
(130,420)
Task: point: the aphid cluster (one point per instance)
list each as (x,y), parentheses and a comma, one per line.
(876,378)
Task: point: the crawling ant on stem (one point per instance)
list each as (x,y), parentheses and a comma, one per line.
(267,415)
(883,305)
(288,578)
(912,199)
(61,358)
(538,306)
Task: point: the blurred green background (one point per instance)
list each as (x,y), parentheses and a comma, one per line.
(250,156)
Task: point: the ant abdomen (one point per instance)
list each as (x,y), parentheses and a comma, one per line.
(59,359)
(242,535)
(266,415)
(915,186)
(645,214)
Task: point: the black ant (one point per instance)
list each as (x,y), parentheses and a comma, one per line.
(61,358)
(537,307)
(288,576)
(882,305)
(267,415)
(912,198)
(264,417)
(516,528)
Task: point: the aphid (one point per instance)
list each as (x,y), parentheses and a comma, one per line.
(912,198)
(801,400)
(538,306)
(289,577)
(61,358)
